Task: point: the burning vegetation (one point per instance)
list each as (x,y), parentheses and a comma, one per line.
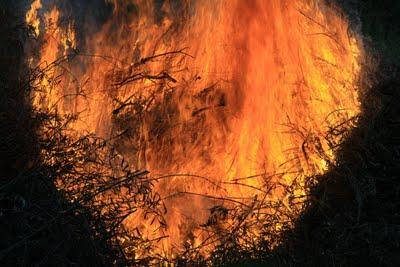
(192,127)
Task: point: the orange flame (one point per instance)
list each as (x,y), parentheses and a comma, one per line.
(249,95)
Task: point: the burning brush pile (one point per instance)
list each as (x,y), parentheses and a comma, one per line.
(191,128)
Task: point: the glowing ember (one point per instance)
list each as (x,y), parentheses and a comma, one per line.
(234,108)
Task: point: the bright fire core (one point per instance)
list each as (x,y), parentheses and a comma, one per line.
(226,103)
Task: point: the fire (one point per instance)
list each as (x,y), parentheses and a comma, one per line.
(32,17)
(225,102)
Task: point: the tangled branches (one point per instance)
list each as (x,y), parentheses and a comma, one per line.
(106,187)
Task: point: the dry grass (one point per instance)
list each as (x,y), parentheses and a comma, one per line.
(351,215)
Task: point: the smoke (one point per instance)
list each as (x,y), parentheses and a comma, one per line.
(89,16)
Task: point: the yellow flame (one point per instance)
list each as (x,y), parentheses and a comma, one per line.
(32,17)
(252,100)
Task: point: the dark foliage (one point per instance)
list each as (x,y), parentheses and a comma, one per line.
(38,226)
